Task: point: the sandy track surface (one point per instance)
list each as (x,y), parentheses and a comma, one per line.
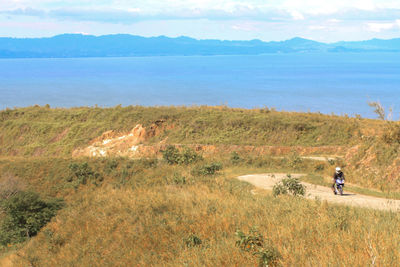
(267,181)
(7,261)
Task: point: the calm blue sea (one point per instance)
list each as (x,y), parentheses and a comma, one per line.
(331,82)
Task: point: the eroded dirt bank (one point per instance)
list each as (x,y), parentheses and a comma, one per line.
(135,143)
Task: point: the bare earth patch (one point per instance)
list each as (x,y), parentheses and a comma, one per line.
(267,181)
(7,261)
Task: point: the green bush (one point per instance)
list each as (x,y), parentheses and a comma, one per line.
(82,173)
(26,214)
(279,189)
(289,185)
(207,169)
(179,179)
(235,158)
(254,242)
(268,257)
(189,156)
(192,241)
(319,167)
(173,156)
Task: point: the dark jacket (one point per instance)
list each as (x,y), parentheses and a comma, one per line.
(338,175)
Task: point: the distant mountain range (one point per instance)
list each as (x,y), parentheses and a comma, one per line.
(123,45)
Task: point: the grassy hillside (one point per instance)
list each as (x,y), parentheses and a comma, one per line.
(41,131)
(151,213)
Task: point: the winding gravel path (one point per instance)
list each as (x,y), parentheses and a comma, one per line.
(267,181)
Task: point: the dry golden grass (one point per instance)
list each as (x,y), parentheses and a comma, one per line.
(144,211)
(144,222)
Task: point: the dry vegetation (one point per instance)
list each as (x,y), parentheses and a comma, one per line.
(147,213)
(40,131)
(125,212)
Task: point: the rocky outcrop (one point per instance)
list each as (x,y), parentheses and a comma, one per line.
(133,144)
(111,143)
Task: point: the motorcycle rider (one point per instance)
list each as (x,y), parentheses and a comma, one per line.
(338,175)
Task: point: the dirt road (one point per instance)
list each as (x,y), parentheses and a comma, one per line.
(267,181)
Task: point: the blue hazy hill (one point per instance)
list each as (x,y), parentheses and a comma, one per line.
(124,45)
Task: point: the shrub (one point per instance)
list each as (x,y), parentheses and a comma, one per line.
(319,167)
(250,242)
(331,162)
(192,241)
(26,214)
(279,189)
(179,179)
(10,185)
(289,185)
(81,173)
(254,242)
(295,160)
(235,158)
(171,155)
(111,165)
(188,156)
(268,257)
(391,134)
(208,169)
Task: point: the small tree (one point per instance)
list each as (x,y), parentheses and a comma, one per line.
(26,214)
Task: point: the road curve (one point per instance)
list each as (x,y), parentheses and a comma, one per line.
(267,181)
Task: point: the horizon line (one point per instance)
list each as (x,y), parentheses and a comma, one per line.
(197,39)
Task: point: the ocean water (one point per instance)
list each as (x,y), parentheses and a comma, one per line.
(340,83)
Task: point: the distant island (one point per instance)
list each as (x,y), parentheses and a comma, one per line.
(124,45)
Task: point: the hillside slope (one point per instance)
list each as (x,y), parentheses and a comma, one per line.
(182,205)
(370,148)
(57,132)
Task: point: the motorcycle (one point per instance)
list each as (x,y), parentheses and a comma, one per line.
(339,186)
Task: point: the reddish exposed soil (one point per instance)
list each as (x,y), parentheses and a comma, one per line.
(133,144)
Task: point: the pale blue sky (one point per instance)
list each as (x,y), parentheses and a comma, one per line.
(320,20)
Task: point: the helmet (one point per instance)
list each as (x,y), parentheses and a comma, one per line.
(338,169)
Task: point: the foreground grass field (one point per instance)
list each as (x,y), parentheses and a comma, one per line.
(152,212)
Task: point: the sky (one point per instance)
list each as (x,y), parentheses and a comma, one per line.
(268,20)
